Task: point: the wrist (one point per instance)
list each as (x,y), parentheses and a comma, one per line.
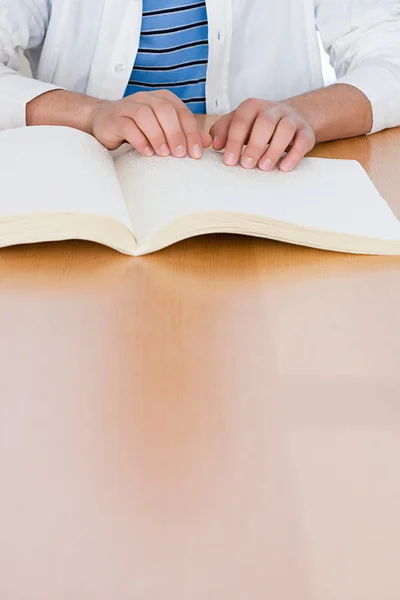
(315,118)
(335,112)
(87,110)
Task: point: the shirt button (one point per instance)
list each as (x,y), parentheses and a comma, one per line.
(119,68)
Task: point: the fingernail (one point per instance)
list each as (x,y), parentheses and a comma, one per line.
(197,152)
(164,150)
(180,151)
(288,166)
(230,159)
(266,164)
(247,162)
(148,151)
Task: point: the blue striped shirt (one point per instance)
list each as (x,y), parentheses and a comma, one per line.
(173,51)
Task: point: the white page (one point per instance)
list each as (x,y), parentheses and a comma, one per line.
(331,195)
(57,170)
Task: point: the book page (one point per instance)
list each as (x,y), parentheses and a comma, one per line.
(58,170)
(330,195)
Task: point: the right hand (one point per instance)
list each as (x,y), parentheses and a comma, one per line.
(152,122)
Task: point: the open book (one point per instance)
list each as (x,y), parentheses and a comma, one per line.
(58,183)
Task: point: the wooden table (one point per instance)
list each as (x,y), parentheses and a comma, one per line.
(218,421)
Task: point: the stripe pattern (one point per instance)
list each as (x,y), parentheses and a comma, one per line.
(173,51)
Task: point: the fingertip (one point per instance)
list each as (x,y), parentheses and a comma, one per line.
(180,151)
(206,139)
(247,162)
(287,166)
(266,164)
(230,159)
(164,150)
(217,143)
(148,152)
(196,152)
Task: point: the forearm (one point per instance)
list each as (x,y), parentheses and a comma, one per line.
(335,112)
(60,107)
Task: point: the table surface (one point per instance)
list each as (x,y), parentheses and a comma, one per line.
(220,420)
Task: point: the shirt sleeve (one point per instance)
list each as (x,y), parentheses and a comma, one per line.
(362,38)
(23,26)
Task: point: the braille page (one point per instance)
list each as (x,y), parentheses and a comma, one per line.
(47,170)
(330,195)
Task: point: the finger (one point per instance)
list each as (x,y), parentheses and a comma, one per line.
(148,124)
(192,132)
(130,132)
(239,131)
(219,131)
(283,135)
(206,139)
(195,141)
(167,117)
(304,141)
(262,132)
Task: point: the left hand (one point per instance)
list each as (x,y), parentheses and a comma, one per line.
(269,129)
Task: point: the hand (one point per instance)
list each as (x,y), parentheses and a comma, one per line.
(152,122)
(269,129)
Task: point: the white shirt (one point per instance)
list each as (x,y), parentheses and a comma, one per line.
(257,48)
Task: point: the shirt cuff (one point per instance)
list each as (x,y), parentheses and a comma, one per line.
(15,93)
(382,88)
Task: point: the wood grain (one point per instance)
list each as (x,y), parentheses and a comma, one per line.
(218,420)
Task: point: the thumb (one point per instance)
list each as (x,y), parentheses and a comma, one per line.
(220,130)
(206,139)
